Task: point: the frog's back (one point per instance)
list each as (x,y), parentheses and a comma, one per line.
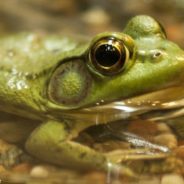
(31,52)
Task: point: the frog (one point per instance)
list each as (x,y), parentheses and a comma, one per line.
(47,79)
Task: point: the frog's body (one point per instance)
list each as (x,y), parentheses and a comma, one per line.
(44,76)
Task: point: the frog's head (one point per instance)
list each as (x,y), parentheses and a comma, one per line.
(118,65)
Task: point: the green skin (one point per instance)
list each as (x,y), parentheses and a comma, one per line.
(34,93)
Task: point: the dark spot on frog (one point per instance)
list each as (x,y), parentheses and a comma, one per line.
(58,150)
(55,50)
(61,140)
(82,155)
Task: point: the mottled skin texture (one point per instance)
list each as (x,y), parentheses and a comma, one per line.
(38,71)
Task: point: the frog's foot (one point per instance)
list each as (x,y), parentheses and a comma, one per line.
(12,157)
(143,162)
(135,160)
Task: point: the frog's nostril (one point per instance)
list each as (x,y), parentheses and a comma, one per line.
(156,54)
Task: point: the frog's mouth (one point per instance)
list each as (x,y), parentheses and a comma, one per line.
(168,101)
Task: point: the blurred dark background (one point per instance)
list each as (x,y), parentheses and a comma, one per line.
(88,16)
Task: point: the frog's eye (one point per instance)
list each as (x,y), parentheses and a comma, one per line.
(109,55)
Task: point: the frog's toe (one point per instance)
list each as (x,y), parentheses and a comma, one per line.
(121,170)
(12,156)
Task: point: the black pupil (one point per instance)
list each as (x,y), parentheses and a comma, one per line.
(107,55)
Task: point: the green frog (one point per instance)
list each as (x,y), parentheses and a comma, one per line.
(51,84)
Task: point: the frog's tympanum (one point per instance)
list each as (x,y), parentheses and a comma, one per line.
(46,80)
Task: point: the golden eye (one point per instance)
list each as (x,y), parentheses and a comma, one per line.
(109,55)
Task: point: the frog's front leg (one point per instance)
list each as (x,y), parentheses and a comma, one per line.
(52,143)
